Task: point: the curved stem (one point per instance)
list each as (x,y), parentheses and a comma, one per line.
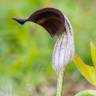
(59,84)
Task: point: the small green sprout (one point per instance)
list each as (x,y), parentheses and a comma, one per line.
(87,93)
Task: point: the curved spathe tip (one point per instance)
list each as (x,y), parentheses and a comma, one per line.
(50,18)
(20,20)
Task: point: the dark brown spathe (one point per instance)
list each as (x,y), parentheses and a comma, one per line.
(49,18)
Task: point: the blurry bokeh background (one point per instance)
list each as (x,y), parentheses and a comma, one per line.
(25,51)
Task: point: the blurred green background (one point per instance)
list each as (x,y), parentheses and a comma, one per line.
(25,51)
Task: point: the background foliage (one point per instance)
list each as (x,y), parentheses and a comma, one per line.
(25,51)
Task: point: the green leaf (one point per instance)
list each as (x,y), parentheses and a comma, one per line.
(93,53)
(87,71)
(87,93)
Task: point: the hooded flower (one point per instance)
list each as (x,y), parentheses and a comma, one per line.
(56,24)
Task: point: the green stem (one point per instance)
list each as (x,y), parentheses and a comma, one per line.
(59,84)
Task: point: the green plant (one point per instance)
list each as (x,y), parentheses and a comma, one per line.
(89,72)
(56,24)
(87,93)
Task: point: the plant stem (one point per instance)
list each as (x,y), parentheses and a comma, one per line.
(59,84)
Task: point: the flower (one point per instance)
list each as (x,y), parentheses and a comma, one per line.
(56,24)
